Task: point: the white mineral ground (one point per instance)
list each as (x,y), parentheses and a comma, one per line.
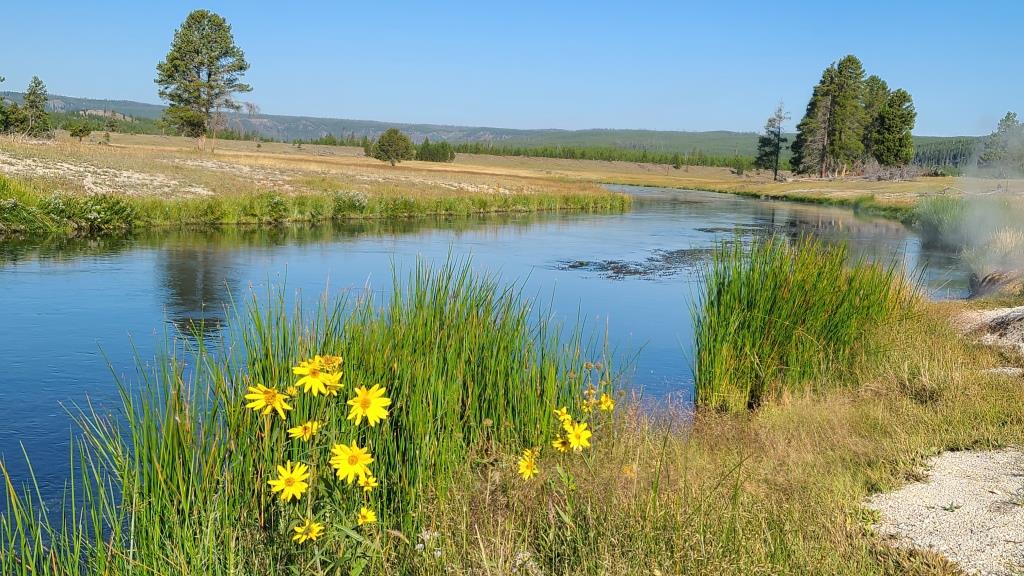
(970,508)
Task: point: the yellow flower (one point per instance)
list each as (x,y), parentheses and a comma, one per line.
(629,471)
(308,531)
(350,461)
(315,379)
(563,415)
(291,391)
(267,399)
(528,464)
(607,404)
(588,406)
(368,482)
(560,444)
(369,403)
(366,516)
(291,482)
(305,431)
(578,436)
(331,363)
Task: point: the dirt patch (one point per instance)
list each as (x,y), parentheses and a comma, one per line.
(265,177)
(969,509)
(662,263)
(99,180)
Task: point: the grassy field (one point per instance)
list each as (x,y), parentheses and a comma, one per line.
(181,484)
(148,181)
(170,182)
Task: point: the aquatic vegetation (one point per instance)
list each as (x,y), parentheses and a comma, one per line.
(942,220)
(774,317)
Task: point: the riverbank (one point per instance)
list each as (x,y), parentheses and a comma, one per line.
(168,182)
(94,187)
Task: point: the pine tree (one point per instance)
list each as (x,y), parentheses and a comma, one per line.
(812,133)
(876,93)
(35,120)
(769,145)
(200,73)
(846,119)
(1004,149)
(892,143)
(423,151)
(393,147)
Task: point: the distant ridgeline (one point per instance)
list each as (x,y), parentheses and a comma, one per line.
(673,148)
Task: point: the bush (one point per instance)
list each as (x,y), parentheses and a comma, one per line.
(393,147)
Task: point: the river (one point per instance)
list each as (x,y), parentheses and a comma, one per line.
(75,313)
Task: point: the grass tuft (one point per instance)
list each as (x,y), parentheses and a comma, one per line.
(773,316)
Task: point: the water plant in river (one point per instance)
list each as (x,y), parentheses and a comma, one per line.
(774,316)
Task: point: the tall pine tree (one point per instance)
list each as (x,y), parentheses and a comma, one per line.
(769,145)
(812,133)
(846,126)
(892,143)
(34,119)
(201,73)
(876,93)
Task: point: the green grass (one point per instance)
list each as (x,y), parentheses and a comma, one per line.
(942,221)
(176,485)
(773,316)
(181,486)
(25,209)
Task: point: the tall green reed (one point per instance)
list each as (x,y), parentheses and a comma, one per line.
(177,483)
(775,316)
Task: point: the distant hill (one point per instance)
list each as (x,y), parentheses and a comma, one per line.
(288,128)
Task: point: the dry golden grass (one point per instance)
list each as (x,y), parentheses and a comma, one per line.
(240,167)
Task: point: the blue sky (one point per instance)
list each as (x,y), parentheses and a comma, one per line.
(570,64)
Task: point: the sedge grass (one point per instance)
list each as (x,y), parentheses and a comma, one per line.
(772,316)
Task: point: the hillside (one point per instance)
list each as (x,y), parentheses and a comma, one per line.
(289,128)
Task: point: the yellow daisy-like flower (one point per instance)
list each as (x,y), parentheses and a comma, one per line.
(366,516)
(305,431)
(291,391)
(528,464)
(350,461)
(330,363)
(315,379)
(308,531)
(368,482)
(578,436)
(371,404)
(607,403)
(560,444)
(563,415)
(266,400)
(291,481)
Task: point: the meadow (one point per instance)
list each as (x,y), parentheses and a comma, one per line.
(161,181)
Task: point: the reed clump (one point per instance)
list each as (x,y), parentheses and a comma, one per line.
(775,317)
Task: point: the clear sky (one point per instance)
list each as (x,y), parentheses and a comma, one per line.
(711,65)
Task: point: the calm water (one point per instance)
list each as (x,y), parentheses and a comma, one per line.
(71,312)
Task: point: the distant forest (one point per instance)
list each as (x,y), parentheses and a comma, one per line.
(719,148)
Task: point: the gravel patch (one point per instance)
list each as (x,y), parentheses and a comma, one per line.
(99,180)
(970,510)
(998,327)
